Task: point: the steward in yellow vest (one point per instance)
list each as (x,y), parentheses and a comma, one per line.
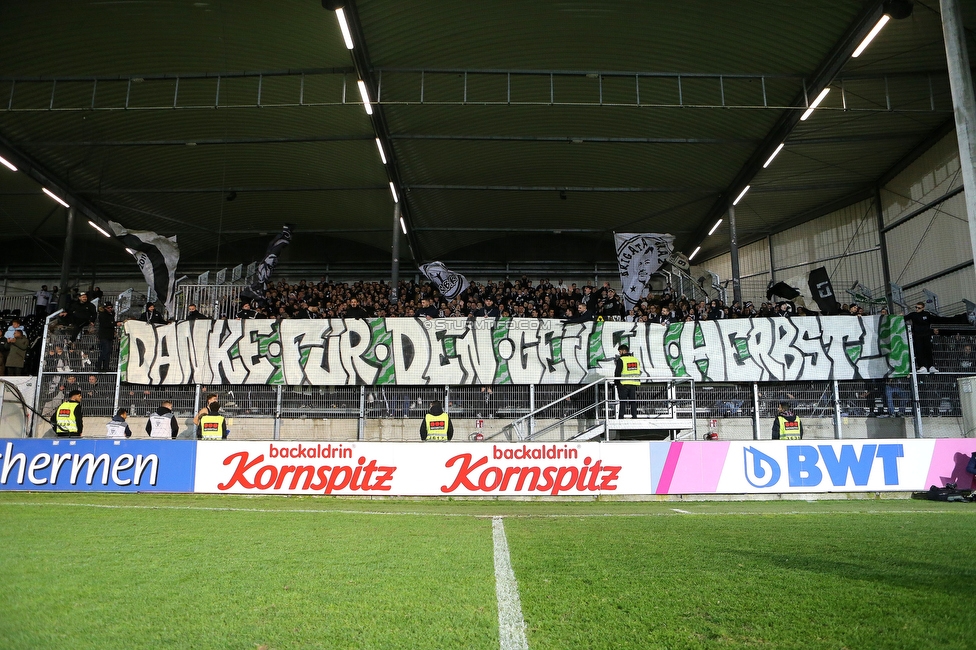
(627,369)
(437,425)
(67,419)
(213,425)
(787,426)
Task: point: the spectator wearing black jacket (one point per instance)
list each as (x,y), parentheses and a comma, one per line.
(81,314)
(106,336)
(922,321)
(192,313)
(488,310)
(152,316)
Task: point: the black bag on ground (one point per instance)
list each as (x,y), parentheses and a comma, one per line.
(947,493)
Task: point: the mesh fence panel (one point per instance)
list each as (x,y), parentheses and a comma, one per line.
(97,392)
(143,400)
(955,353)
(401,401)
(323,402)
(724,400)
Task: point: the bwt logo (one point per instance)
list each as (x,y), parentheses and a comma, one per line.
(806,464)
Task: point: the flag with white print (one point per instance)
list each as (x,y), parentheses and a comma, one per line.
(639,256)
(157,256)
(449,283)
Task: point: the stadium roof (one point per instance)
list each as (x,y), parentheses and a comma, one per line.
(502,122)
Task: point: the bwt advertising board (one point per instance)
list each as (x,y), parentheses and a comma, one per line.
(97,465)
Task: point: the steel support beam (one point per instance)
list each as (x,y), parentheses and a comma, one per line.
(395,270)
(734,256)
(64,295)
(964,103)
(883,245)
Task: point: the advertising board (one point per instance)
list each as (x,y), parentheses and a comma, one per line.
(97,465)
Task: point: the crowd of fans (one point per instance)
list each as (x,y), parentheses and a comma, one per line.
(521,298)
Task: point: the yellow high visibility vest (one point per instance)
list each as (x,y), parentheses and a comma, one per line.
(788,430)
(631,367)
(66,422)
(211,427)
(437,427)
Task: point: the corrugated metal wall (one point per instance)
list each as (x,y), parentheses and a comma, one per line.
(938,238)
(847,241)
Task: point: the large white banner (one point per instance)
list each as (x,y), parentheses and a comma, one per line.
(457,351)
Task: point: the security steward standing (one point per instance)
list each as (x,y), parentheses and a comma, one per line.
(213,425)
(437,425)
(787,426)
(626,370)
(67,420)
(116,427)
(162,423)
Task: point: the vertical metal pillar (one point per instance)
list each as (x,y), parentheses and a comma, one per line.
(38,388)
(361,429)
(531,410)
(694,412)
(963,104)
(838,422)
(395,273)
(69,245)
(277,422)
(772,259)
(755,411)
(196,409)
(883,244)
(734,254)
(916,402)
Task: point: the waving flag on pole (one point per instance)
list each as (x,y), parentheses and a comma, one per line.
(157,256)
(639,256)
(449,283)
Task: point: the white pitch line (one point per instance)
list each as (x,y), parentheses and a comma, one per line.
(409,513)
(511,625)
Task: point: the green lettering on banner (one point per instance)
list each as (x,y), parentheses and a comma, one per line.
(499,334)
(893,343)
(123,356)
(264,349)
(854,352)
(594,348)
(381,336)
(672,349)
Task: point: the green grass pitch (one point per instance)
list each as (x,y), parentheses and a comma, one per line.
(184,571)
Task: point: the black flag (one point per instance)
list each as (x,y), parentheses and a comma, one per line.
(823,292)
(781,289)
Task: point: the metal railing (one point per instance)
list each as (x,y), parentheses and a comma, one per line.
(212,300)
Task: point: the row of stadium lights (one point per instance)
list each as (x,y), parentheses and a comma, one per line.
(54,195)
(803,118)
(364,92)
